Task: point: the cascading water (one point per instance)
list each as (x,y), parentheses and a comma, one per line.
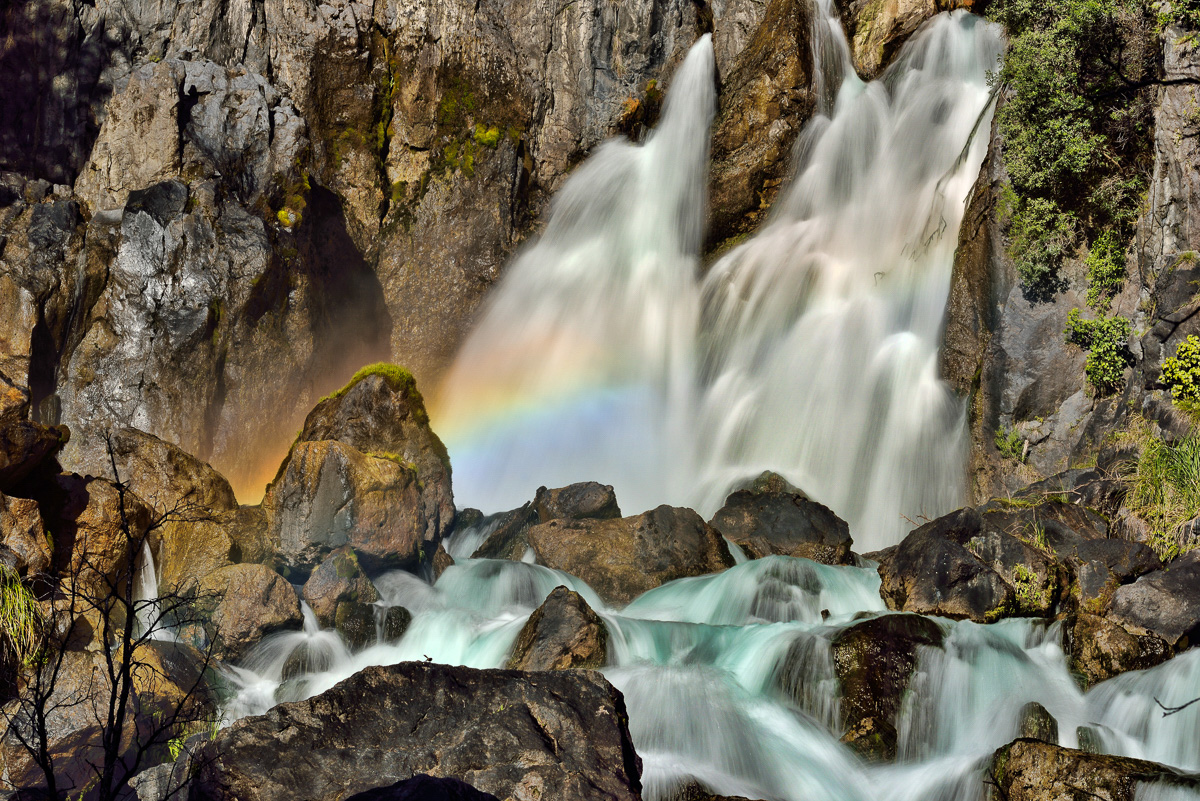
(810,350)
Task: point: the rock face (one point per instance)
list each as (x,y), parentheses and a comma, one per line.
(1029,770)
(251,601)
(620,559)
(562,633)
(874,661)
(21,531)
(783,523)
(561,734)
(366,471)
(1165,603)
(877,30)
(422,788)
(24,447)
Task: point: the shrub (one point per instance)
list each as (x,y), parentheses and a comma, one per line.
(1105,341)
(20,616)
(1181,373)
(1106,270)
(1009,443)
(1076,124)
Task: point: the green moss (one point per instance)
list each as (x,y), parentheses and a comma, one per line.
(288,218)
(488,137)
(1030,597)
(1010,444)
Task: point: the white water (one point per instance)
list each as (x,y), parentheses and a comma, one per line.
(810,350)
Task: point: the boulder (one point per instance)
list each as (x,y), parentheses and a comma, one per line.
(21,531)
(396,620)
(1038,724)
(247,603)
(1099,649)
(562,633)
(932,572)
(366,471)
(874,661)
(1030,770)
(788,524)
(24,447)
(559,734)
(588,500)
(342,597)
(424,788)
(14,402)
(620,559)
(333,495)
(1165,603)
(163,474)
(509,537)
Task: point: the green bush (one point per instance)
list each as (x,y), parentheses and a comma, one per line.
(1181,373)
(1106,270)
(21,617)
(1076,123)
(1009,443)
(1105,341)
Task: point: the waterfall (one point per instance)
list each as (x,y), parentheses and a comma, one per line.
(810,350)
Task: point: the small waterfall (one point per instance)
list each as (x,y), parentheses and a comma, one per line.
(810,350)
(145,598)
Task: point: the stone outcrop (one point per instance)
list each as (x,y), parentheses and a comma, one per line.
(366,471)
(22,533)
(787,524)
(876,30)
(562,633)
(508,538)
(874,661)
(562,734)
(1030,770)
(622,558)
(24,448)
(421,787)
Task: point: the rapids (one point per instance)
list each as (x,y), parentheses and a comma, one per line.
(810,349)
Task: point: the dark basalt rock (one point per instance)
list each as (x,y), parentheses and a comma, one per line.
(424,788)
(564,632)
(1165,603)
(588,500)
(1038,724)
(789,524)
(931,572)
(561,734)
(620,559)
(1030,770)
(338,581)
(875,660)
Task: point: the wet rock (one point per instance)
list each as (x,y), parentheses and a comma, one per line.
(875,661)
(766,96)
(1089,740)
(623,558)
(356,623)
(22,532)
(694,791)
(588,500)
(248,602)
(396,620)
(338,581)
(1038,724)
(509,538)
(25,447)
(787,524)
(877,30)
(561,734)
(562,633)
(424,788)
(1029,770)
(932,572)
(1100,649)
(1165,603)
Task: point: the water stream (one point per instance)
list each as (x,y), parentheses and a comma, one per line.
(811,350)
